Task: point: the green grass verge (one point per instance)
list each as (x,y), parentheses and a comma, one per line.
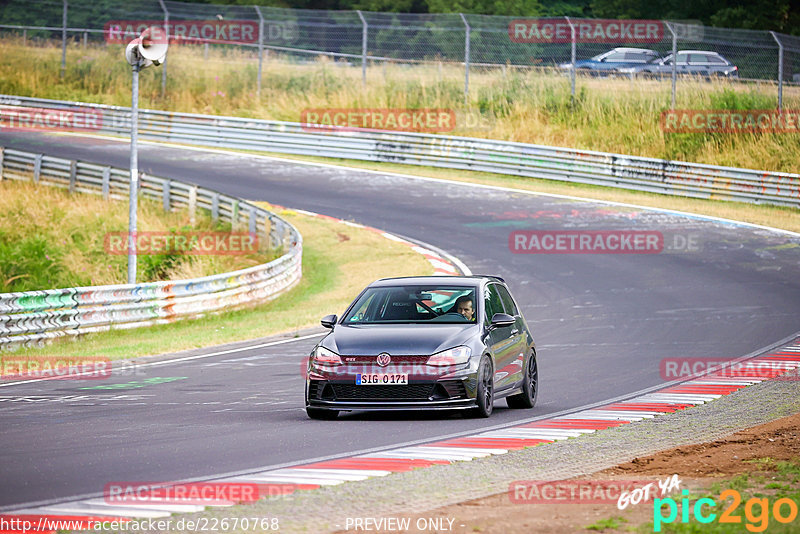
(50,238)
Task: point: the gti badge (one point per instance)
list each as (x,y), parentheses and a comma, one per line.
(384,359)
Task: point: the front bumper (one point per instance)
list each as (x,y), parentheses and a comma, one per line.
(338,391)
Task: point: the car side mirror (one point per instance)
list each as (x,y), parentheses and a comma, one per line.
(328,321)
(500,320)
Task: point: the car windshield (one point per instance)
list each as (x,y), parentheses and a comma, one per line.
(414,304)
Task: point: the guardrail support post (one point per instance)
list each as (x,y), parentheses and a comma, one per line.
(73,175)
(37,168)
(2,153)
(263,244)
(164,63)
(165,195)
(24,37)
(106,182)
(234,214)
(674,62)
(780,70)
(274,233)
(215,207)
(64,40)
(260,49)
(466,56)
(85,39)
(364,36)
(251,221)
(572,60)
(193,205)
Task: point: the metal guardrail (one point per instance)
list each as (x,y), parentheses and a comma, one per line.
(34,317)
(502,157)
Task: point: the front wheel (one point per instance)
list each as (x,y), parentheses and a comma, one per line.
(530,387)
(320,414)
(485,393)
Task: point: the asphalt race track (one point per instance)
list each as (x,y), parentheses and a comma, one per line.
(603,323)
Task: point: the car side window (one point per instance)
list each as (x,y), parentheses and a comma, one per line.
(492,302)
(616,56)
(683,59)
(715,60)
(508,302)
(638,57)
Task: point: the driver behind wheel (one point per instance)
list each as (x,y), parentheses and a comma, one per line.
(464,306)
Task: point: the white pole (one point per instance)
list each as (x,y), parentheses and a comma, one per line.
(164,65)
(134,182)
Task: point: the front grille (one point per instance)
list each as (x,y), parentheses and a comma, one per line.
(409,392)
(396,359)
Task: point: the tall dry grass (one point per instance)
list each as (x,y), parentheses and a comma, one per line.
(610,115)
(49,238)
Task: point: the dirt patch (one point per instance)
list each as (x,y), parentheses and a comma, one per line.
(698,466)
(779,440)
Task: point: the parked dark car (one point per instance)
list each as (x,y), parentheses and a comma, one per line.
(435,342)
(609,62)
(689,62)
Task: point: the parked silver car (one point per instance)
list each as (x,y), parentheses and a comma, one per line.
(689,62)
(610,62)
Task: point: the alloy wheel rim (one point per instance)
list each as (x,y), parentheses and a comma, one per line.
(532,375)
(487,387)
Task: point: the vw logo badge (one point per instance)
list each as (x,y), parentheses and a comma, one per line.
(384,359)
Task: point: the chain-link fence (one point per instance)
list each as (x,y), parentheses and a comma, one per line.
(570,46)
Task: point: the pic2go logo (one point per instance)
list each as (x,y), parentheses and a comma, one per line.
(756,511)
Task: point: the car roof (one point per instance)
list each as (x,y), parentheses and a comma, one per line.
(467,281)
(626,49)
(698,52)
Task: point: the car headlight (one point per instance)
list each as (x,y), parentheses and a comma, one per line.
(565,66)
(455,356)
(323,356)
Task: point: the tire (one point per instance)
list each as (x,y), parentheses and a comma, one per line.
(530,387)
(320,414)
(485,390)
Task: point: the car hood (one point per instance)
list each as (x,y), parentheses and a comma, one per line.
(398,339)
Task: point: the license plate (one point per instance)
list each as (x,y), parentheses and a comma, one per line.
(382,379)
